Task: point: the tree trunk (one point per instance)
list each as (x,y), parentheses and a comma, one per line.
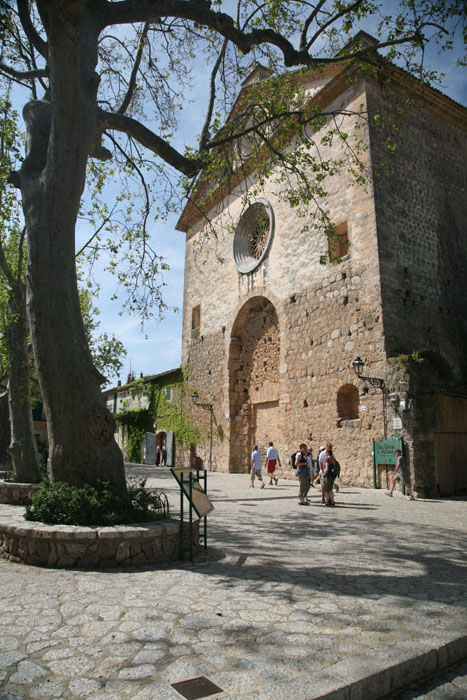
(82,449)
(5,459)
(23,449)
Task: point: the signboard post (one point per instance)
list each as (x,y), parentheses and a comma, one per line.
(191,488)
(384,453)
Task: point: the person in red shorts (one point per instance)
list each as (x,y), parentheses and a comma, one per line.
(272,458)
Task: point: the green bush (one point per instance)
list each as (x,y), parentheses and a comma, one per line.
(60,503)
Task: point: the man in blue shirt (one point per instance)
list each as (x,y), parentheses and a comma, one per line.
(256,467)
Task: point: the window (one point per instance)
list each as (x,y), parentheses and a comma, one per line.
(253,236)
(195,321)
(338,243)
(348,402)
(168,393)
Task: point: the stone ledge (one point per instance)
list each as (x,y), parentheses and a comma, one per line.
(72,546)
(15,493)
(363,678)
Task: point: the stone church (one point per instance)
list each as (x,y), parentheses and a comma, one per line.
(270,333)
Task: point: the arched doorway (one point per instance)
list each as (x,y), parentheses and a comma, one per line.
(161,448)
(253,381)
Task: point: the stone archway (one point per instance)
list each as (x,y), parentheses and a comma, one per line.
(253,381)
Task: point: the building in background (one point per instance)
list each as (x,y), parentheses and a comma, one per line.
(270,334)
(134,395)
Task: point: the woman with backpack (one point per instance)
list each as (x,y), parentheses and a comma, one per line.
(329,475)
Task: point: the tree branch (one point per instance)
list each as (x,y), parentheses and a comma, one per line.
(120,122)
(96,232)
(31,32)
(24,74)
(212,97)
(345,10)
(199,11)
(308,21)
(132,84)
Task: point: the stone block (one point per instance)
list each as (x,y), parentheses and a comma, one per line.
(413,668)
(53,557)
(65,561)
(107,549)
(41,550)
(452,651)
(135,547)
(76,549)
(123,552)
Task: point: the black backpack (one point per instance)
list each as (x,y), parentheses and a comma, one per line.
(334,469)
(292,460)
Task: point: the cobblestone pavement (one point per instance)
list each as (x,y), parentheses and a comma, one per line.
(288,601)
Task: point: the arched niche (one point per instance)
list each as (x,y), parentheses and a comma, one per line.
(348,402)
(253,380)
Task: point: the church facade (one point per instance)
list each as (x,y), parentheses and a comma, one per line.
(270,333)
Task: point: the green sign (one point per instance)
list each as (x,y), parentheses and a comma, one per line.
(384,451)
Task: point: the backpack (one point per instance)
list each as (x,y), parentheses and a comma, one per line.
(292,460)
(334,469)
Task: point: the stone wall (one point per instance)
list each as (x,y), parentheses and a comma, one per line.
(421,206)
(63,546)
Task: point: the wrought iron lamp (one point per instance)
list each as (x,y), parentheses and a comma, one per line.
(207,407)
(377,382)
(358,366)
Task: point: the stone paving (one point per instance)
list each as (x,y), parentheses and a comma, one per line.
(287,601)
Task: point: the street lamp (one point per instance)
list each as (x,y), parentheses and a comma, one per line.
(378,383)
(207,407)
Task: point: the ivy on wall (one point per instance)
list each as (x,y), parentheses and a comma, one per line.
(160,412)
(136,422)
(172,415)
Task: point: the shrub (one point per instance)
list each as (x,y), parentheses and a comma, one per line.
(61,503)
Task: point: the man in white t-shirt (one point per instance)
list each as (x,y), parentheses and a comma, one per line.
(272,458)
(321,464)
(256,467)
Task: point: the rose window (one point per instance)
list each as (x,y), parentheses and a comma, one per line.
(253,236)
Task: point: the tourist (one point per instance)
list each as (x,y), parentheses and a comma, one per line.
(401,472)
(329,475)
(303,471)
(256,467)
(321,465)
(272,458)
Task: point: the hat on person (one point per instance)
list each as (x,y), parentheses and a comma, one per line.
(322,448)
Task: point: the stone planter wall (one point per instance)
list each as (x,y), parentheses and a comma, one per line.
(16,494)
(64,546)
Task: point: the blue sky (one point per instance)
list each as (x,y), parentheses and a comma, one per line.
(158,348)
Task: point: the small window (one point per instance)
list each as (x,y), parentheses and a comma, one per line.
(338,243)
(195,320)
(168,393)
